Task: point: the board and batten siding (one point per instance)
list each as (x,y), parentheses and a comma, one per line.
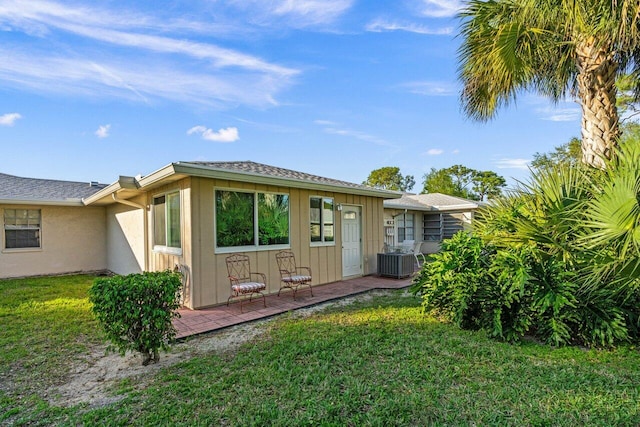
(208,271)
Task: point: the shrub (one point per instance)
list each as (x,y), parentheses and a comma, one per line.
(136,311)
(559,258)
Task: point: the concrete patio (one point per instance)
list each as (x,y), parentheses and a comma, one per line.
(193,322)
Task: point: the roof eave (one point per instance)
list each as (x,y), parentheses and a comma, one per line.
(45,202)
(219,173)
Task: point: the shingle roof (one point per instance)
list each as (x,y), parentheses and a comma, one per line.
(45,190)
(253,168)
(430,201)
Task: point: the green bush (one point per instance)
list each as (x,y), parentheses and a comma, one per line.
(558,258)
(136,311)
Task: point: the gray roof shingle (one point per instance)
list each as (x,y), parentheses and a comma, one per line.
(430,201)
(253,168)
(49,190)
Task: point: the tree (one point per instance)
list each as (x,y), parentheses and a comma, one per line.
(487,184)
(569,153)
(390,178)
(440,181)
(455,180)
(554,47)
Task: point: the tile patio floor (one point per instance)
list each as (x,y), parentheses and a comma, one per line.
(195,322)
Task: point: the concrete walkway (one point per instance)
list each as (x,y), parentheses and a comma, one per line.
(195,322)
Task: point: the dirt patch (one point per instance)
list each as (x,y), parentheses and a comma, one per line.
(94,380)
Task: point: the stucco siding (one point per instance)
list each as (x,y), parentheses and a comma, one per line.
(73,239)
(126,237)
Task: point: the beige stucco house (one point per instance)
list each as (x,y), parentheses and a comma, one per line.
(427,218)
(193,214)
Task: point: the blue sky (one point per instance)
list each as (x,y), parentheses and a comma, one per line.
(93,90)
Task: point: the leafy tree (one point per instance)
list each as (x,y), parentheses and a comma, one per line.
(569,153)
(456,179)
(440,181)
(390,178)
(553,47)
(487,184)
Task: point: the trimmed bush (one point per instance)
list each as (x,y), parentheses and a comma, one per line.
(136,311)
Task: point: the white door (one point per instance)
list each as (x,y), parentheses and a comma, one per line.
(351,241)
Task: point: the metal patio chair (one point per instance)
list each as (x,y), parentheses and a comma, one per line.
(292,276)
(243,281)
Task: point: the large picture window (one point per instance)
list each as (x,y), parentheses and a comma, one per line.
(21,228)
(251,219)
(166,221)
(322,219)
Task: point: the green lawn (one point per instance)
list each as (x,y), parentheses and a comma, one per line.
(379,362)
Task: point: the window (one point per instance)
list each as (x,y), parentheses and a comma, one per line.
(405,227)
(321,219)
(442,226)
(251,219)
(166,221)
(21,228)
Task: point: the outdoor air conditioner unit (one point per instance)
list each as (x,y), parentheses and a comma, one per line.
(397,265)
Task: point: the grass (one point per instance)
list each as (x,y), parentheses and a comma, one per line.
(380,362)
(45,323)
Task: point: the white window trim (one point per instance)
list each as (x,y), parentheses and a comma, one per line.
(256,227)
(164,249)
(323,242)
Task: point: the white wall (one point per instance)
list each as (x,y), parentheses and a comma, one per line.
(72,240)
(125,239)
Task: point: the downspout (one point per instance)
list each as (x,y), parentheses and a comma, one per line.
(145,225)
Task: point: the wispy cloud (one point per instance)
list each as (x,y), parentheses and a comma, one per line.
(167,70)
(295,13)
(229,134)
(512,163)
(560,114)
(428,88)
(9,119)
(440,8)
(103,131)
(434,152)
(380,25)
(336,129)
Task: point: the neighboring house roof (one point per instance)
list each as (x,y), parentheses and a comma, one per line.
(19,190)
(431,202)
(245,171)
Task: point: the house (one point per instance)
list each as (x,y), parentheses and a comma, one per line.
(429,218)
(192,214)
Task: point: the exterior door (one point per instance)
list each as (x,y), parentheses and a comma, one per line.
(351,241)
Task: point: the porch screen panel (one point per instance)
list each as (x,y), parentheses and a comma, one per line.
(235,219)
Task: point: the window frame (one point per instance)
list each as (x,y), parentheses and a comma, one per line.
(256,247)
(28,227)
(165,248)
(323,223)
(402,218)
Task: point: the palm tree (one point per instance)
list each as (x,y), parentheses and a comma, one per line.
(553,47)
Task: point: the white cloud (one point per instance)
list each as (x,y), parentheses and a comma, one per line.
(229,134)
(295,13)
(440,8)
(228,76)
(103,131)
(434,152)
(379,26)
(512,164)
(560,114)
(427,88)
(456,151)
(325,122)
(9,119)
